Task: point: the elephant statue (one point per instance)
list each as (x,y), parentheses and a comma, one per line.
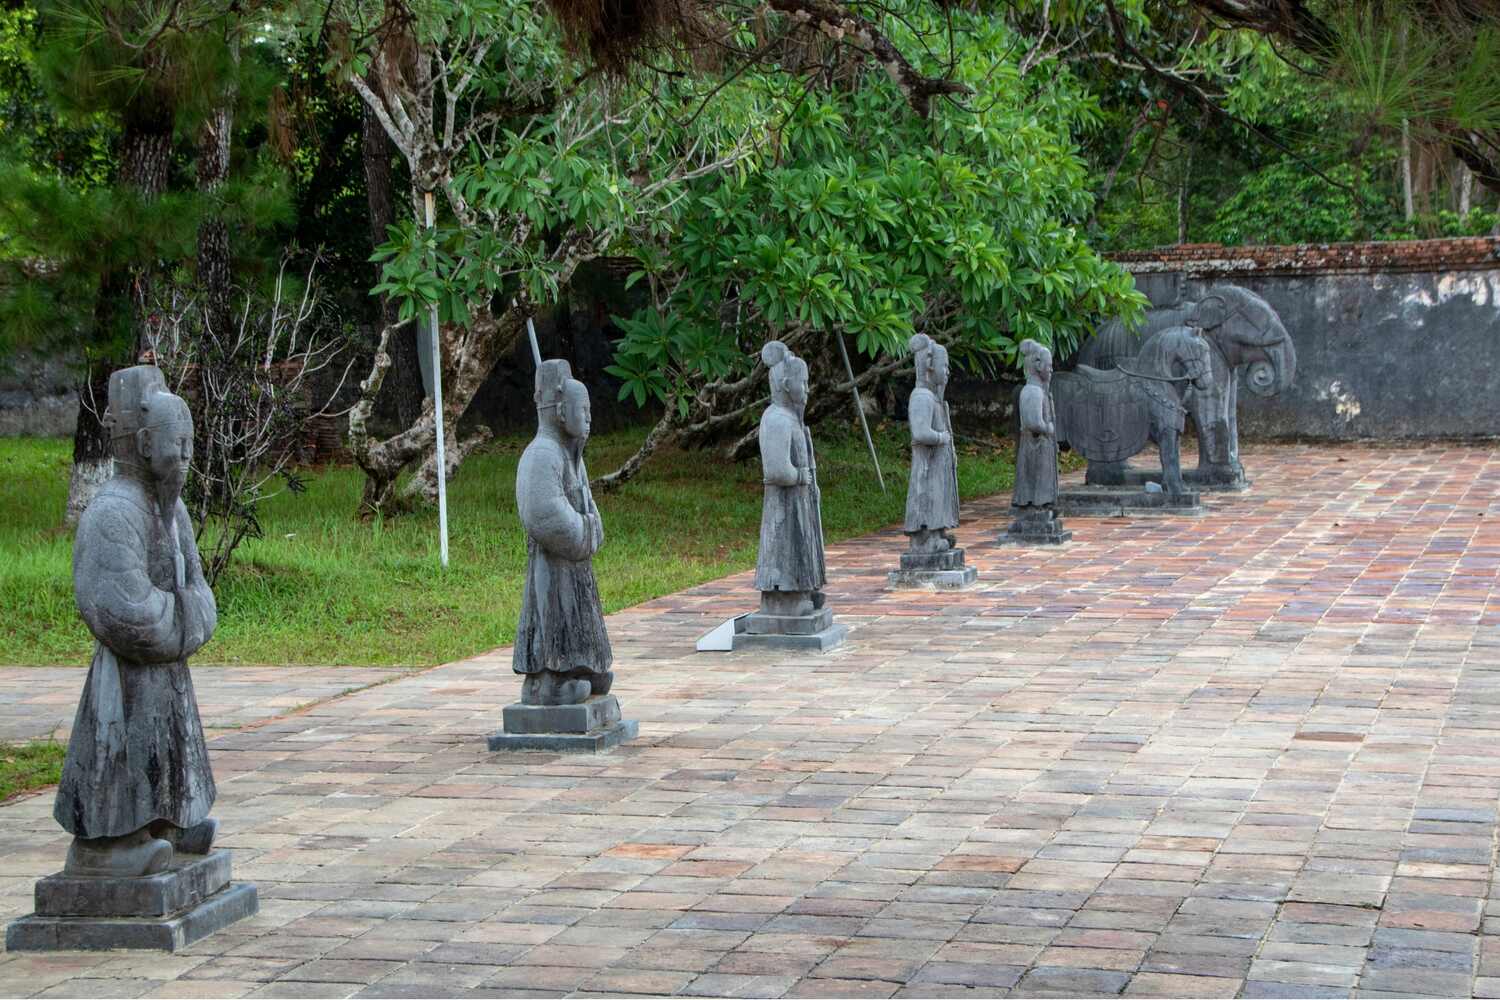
(1108,416)
(1244,334)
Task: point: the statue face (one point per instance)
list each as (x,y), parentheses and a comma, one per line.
(1044,368)
(796,383)
(937,372)
(166,445)
(577,416)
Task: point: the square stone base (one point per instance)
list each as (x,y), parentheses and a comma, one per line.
(932,579)
(932,562)
(1034,526)
(814,633)
(1105,501)
(588,727)
(594,742)
(164,912)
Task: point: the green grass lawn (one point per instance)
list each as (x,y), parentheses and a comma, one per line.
(323,587)
(24,766)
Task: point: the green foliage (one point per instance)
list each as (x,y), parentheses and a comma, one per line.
(25,766)
(320,587)
(1286,203)
(858,220)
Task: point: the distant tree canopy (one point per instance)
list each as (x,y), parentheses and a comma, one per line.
(801,169)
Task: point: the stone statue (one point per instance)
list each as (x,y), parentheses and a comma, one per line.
(931,558)
(1032,502)
(789,570)
(1244,335)
(136,785)
(136,780)
(562,648)
(1110,415)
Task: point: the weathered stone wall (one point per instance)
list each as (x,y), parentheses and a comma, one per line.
(1394,340)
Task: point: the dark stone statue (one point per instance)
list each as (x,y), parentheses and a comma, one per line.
(136,785)
(562,648)
(1108,416)
(1245,337)
(932,558)
(789,569)
(1033,503)
(137,779)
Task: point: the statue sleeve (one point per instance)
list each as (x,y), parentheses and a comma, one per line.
(199,606)
(1033,418)
(920,411)
(115,596)
(776,452)
(545,511)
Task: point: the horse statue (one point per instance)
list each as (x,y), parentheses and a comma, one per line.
(1245,335)
(1107,416)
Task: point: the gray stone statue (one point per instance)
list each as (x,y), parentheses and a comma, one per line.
(1108,416)
(932,558)
(1245,336)
(1032,505)
(562,647)
(789,570)
(136,785)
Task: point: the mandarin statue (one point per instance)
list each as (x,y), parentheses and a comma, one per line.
(932,558)
(562,649)
(136,787)
(789,570)
(1033,502)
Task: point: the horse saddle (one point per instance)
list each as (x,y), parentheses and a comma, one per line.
(1102,414)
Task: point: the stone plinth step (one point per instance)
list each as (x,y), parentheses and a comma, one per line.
(932,579)
(588,727)
(164,912)
(1111,501)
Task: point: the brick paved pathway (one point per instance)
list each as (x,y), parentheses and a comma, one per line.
(39,702)
(1251,753)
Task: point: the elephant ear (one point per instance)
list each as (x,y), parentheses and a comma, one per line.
(1210,312)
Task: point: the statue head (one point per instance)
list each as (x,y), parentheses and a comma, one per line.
(1037,362)
(788,375)
(932,363)
(150,429)
(562,402)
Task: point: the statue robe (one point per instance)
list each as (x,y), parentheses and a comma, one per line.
(136,755)
(932,492)
(562,620)
(791,519)
(1036,451)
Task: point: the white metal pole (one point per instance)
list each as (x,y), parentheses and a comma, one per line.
(859,408)
(437,412)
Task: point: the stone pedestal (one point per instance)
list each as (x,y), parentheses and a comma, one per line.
(588,727)
(1034,526)
(933,571)
(1104,501)
(1214,479)
(813,632)
(164,912)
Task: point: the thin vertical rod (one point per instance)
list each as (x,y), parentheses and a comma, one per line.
(437,412)
(536,352)
(859,408)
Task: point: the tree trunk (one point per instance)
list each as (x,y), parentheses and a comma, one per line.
(1408,203)
(406,381)
(214,267)
(145,164)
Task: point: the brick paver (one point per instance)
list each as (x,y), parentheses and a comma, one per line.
(39,702)
(1244,754)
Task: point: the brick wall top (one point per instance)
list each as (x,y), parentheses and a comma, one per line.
(1475,253)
